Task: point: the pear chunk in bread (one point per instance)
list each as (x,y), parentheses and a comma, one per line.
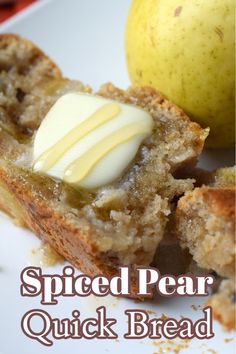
(118,224)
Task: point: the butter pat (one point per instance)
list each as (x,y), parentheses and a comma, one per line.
(88,141)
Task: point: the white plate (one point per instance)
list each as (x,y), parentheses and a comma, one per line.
(85,38)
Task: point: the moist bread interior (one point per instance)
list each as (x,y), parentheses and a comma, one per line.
(125,221)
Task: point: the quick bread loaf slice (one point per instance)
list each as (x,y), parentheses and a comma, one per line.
(205,223)
(119,224)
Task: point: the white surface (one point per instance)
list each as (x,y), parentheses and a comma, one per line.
(85,37)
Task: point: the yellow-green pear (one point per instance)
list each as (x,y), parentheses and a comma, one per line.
(186,50)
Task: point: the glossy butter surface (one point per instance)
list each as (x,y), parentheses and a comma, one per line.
(88,140)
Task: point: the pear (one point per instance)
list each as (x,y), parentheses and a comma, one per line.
(186,50)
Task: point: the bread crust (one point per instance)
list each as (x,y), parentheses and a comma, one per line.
(220,201)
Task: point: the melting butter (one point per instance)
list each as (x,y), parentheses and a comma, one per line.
(101,116)
(75,173)
(88,140)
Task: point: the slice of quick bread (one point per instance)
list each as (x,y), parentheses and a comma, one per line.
(118,224)
(205,223)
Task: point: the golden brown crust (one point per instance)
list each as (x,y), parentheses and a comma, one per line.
(220,201)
